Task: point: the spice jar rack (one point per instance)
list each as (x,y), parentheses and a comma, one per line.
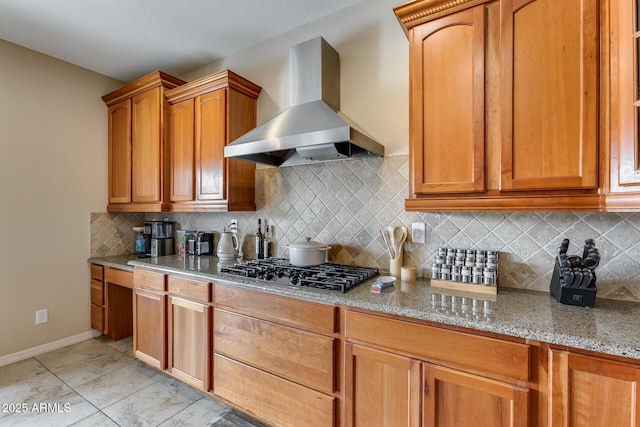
(468,270)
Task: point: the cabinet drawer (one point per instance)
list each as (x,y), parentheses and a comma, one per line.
(271,398)
(97,272)
(118,277)
(149,279)
(97,292)
(457,349)
(97,317)
(301,314)
(301,356)
(191,289)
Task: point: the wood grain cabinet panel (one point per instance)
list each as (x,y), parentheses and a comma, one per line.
(137,134)
(182,151)
(300,356)
(189,342)
(276,357)
(111,301)
(150,327)
(210,141)
(97,297)
(401,374)
(149,279)
(447,116)
(120,152)
(271,398)
(505,104)
(206,114)
(550,94)
(382,389)
(196,290)
(624,98)
(146,149)
(118,309)
(590,391)
(458,349)
(308,315)
(459,399)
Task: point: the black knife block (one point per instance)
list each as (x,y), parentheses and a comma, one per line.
(584,297)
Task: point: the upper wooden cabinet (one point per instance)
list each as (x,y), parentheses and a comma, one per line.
(447,116)
(206,114)
(136,136)
(625,107)
(549,94)
(504,104)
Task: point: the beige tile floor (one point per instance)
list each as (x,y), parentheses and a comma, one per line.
(98,383)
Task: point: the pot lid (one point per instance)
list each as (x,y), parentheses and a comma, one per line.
(308,244)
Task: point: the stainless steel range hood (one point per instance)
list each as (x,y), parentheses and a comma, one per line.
(312,129)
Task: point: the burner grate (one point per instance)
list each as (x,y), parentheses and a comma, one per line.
(329,276)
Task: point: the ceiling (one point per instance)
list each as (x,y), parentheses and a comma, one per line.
(126,39)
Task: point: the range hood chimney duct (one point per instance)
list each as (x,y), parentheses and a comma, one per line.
(312,129)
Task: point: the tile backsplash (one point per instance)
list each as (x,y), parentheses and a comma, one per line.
(112,234)
(345,204)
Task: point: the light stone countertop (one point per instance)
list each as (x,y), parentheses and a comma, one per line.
(611,327)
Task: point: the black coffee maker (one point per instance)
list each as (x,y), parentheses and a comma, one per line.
(161,237)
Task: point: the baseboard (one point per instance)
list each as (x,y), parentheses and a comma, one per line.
(44,348)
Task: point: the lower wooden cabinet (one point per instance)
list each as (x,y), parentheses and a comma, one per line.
(382,388)
(118,305)
(291,353)
(172,326)
(592,391)
(150,318)
(270,397)
(274,358)
(189,332)
(388,390)
(290,362)
(458,399)
(111,302)
(401,373)
(97,297)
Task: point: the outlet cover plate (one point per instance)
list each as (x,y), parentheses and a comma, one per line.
(42,316)
(418,232)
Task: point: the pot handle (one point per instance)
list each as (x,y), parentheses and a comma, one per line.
(326,254)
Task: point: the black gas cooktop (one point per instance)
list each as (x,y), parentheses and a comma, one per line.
(328,276)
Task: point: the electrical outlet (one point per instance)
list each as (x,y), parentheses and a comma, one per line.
(233,226)
(418,232)
(42,316)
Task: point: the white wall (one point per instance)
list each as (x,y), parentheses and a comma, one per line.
(374,68)
(53,173)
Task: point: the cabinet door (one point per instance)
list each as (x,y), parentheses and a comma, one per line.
(120,152)
(447,117)
(182,151)
(588,391)
(211,136)
(382,389)
(625,104)
(453,398)
(146,146)
(190,342)
(549,94)
(149,327)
